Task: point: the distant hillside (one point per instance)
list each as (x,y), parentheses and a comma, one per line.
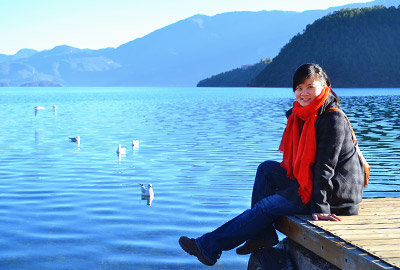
(238,77)
(180,54)
(41,84)
(64,65)
(356,47)
(195,48)
(24,53)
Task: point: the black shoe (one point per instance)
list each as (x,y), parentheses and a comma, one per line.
(252,246)
(189,245)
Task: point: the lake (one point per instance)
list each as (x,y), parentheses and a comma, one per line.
(70,206)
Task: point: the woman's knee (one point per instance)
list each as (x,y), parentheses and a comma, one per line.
(268,166)
(263,170)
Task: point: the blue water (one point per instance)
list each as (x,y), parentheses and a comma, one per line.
(69,206)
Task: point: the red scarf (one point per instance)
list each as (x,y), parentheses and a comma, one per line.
(299,144)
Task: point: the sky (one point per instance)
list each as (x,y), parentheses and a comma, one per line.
(96,24)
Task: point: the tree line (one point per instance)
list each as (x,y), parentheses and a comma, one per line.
(357,47)
(238,77)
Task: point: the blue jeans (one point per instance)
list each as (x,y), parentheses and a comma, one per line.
(255,223)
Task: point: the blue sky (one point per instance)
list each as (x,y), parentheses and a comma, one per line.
(95,24)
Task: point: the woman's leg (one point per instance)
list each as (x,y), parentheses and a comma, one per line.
(245,226)
(267,174)
(263,185)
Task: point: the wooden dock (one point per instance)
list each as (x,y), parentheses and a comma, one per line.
(368,241)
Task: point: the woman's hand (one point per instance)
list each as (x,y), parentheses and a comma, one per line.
(320,216)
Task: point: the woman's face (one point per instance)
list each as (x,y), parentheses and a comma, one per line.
(308,91)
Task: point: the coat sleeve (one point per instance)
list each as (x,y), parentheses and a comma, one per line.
(330,134)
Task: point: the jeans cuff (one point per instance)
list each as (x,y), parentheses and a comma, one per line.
(205,254)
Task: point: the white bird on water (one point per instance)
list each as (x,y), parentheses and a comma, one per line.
(38,108)
(121,150)
(55,107)
(76,139)
(135,144)
(147,191)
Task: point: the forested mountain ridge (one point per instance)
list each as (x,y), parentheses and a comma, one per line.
(238,77)
(356,47)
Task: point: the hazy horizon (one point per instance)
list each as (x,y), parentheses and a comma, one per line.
(97,24)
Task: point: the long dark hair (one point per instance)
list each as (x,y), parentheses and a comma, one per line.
(306,71)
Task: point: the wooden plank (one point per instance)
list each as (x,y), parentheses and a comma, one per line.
(378,248)
(381,231)
(331,248)
(380,199)
(388,253)
(382,214)
(362,226)
(361,222)
(368,203)
(358,221)
(370,240)
(379,242)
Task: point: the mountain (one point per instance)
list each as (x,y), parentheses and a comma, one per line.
(180,54)
(63,65)
(238,77)
(220,80)
(356,47)
(24,53)
(41,84)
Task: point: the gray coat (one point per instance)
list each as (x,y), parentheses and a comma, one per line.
(338,181)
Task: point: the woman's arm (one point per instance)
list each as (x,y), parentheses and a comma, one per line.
(330,134)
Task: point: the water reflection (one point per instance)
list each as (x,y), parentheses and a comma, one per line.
(38,136)
(148,198)
(120,156)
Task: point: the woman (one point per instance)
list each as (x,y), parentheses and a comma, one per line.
(320,174)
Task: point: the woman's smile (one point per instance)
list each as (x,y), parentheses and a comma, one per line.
(306,92)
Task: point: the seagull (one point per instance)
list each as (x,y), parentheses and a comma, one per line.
(55,107)
(135,144)
(77,139)
(121,150)
(38,108)
(147,191)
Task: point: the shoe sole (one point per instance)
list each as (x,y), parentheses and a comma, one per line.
(192,252)
(248,251)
